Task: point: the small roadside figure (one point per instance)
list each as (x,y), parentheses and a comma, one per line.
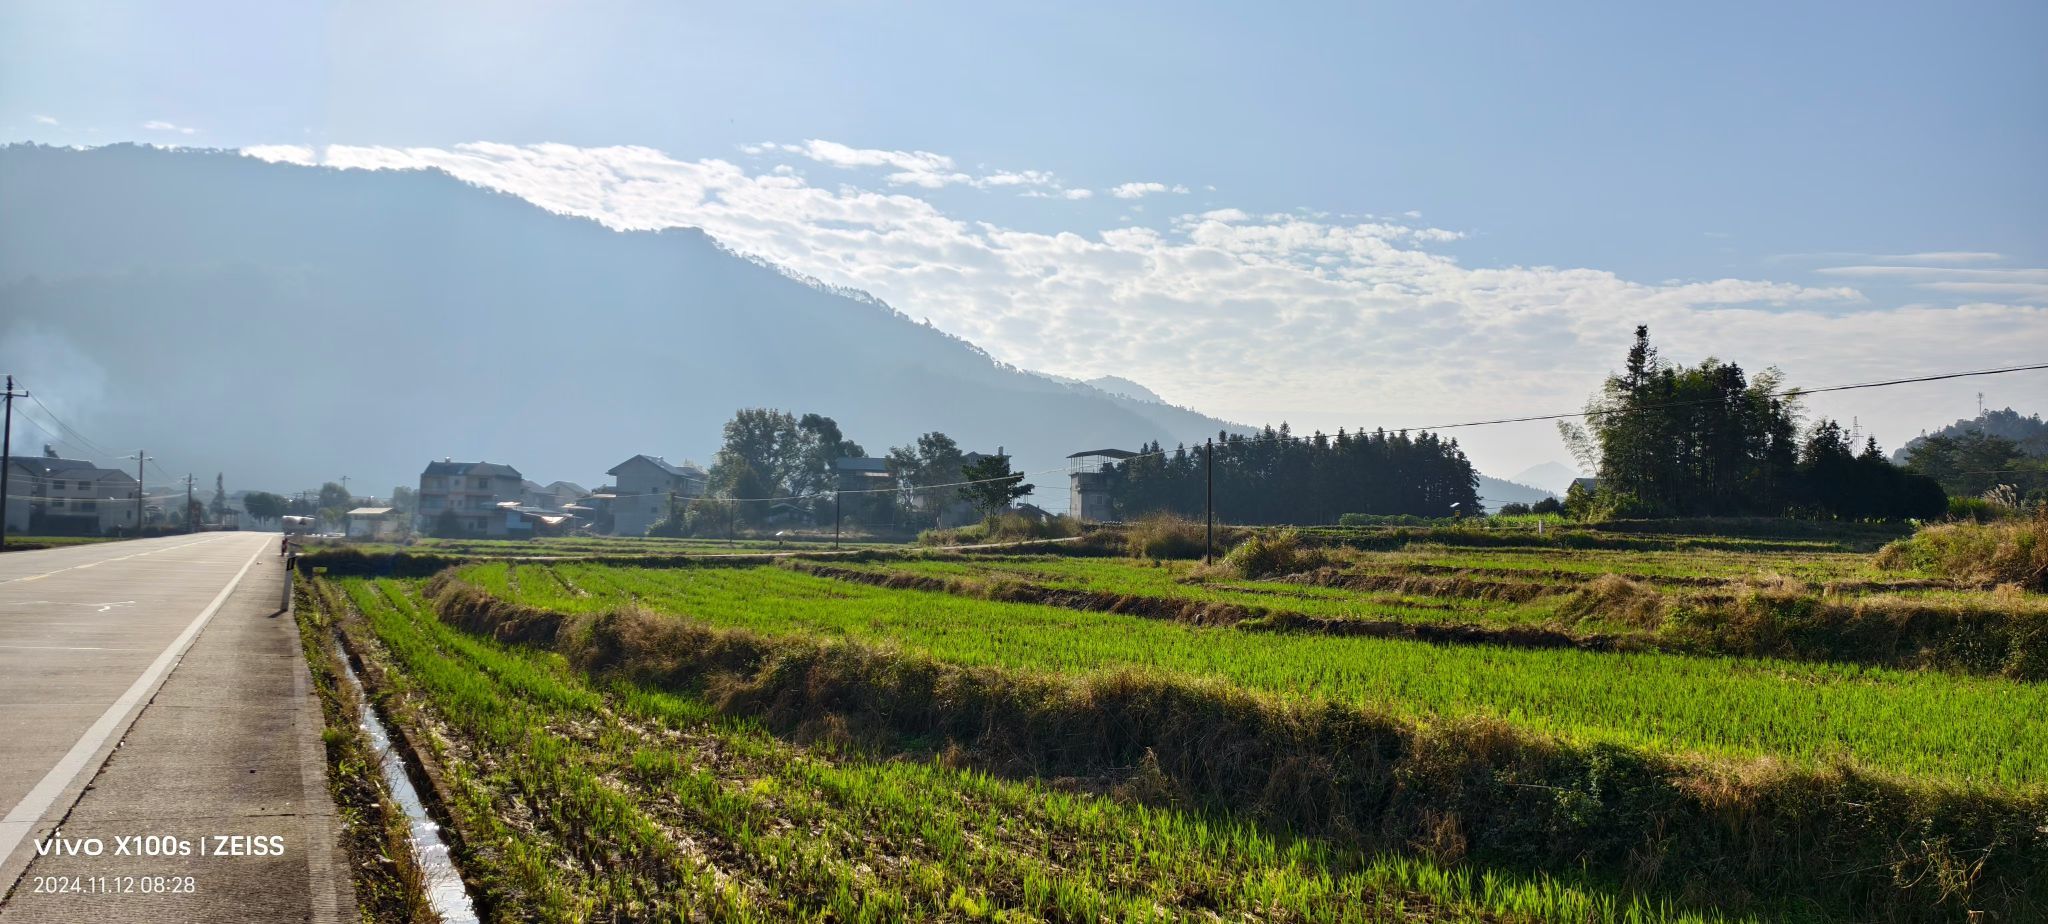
(284,546)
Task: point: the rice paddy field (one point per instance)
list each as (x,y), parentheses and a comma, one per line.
(1430,729)
(608,546)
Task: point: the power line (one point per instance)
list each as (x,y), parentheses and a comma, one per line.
(81,438)
(58,439)
(1787,393)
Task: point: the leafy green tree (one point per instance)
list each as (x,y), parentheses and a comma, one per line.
(1969,463)
(771,454)
(991,487)
(922,470)
(219,507)
(265,507)
(1711,440)
(334,495)
(405,500)
(820,446)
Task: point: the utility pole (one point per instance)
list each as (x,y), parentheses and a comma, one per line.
(188,502)
(140,458)
(1209,504)
(7,456)
(344,488)
(835,518)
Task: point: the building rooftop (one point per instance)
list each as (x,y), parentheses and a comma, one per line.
(490,469)
(680,471)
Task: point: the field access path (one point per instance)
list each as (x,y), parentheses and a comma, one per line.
(154,690)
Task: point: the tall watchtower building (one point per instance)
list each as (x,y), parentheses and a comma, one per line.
(1089,499)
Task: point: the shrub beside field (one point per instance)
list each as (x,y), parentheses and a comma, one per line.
(1735,835)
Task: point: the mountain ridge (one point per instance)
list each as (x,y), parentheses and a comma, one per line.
(347,290)
(386,318)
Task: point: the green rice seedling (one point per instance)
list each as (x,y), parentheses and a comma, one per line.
(815,834)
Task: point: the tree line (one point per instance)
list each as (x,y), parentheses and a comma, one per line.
(1275,477)
(1713,440)
(776,466)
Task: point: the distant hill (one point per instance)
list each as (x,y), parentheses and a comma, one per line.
(1118,385)
(292,324)
(2029,431)
(1554,477)
(1493,492)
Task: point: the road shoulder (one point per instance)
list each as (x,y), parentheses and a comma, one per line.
(226,756)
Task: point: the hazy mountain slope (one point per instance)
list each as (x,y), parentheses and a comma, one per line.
(1554,477)
(1494,492)
(290,325)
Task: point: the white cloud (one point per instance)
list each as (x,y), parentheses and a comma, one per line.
(1932,256)
(2024,291)
(922,169)
(1135,190)
(2023,284)
(1937,273)
(1077,193)
(157,125)
(45,120)
(1324,321)
(284,153)
(1020,178)
(1946,256)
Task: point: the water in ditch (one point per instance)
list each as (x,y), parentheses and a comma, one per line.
(445,892)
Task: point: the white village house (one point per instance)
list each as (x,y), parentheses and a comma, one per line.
(53,496)
(375,523)
(646,486)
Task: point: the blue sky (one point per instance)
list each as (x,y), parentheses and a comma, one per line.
(1859,185)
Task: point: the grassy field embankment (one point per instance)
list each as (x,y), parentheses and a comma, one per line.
(582,795)
(1522,731)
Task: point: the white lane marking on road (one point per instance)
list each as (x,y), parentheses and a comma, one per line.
(100,607)
(25,813)
(93,564)
(67,648)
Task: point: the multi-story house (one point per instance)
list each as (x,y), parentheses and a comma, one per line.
(553,495)
(646,487)
(474,492)
(53,496)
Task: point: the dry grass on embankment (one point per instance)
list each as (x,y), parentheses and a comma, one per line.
(2005,634)
(1865,847)
(1763,617)
(2013,551)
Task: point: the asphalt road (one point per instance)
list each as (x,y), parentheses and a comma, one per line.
(153,699)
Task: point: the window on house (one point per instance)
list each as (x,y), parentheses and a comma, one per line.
(88,506)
